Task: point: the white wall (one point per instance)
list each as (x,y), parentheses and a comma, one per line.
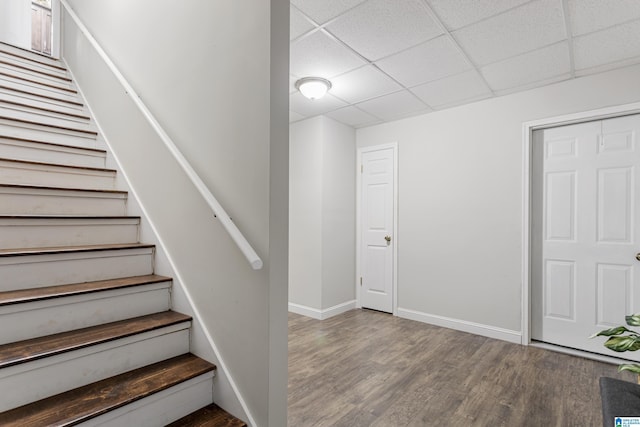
(338,214)
(214,74)
(460,200)
(322,217)
(305,213)
(15,22)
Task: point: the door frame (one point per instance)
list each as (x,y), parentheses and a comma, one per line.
(527,138)
(56,28)
(394,247)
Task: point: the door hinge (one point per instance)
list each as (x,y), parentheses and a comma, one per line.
(361,281)
(361,168)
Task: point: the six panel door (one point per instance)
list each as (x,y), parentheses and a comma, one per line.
(377,227)
(584,232)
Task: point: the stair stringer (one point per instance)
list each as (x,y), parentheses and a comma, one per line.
(226,392)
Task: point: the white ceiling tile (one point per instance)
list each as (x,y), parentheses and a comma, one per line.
(614,44)
(459,13)
(323,10)
(353,116)
(528,27)
(294,117)
(530,67)
(363,83)
(432,60)
(451,90)
(378,28)
(539,83)
(319,55)
(299,24)
(306,107)
(392,106)
(591,15)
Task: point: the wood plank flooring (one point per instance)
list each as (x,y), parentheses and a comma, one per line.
(365,368)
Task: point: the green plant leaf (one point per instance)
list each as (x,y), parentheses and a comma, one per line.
(610,332)
(633,320)
(623,343)
(630,367)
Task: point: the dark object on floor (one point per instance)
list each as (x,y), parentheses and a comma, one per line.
(619,399)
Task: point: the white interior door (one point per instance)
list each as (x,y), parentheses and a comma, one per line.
(377,225)
(585,233)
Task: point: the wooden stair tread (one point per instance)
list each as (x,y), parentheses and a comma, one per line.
(71,249)
(209,416)
(24,79)
(48,110)
(39,95)
(37,348)
(31,122)
(31,162)
(83,403)
(44,73)
(42,187)
(50,292)
(26,58)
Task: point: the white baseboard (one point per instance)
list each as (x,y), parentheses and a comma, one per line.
(322,314)
(462,325)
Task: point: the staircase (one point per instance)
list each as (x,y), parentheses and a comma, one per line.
(87,334)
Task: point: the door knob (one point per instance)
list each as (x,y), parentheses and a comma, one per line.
(638,256)
(388,239)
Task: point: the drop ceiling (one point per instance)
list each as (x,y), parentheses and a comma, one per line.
(389,59)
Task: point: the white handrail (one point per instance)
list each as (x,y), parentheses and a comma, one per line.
(218,211)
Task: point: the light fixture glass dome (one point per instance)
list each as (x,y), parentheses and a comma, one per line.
(313,87)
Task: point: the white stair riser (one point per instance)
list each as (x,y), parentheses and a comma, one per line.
(32,55)
(38,233)
(40,111)
(46,118)
(38,103)
(34,66)
(39,98)
(46,175)
(37,90)
(17,201)
(47,134)
(46,377)
(46,317)
(33,271)
(15,71)
(161,408)
(32,151)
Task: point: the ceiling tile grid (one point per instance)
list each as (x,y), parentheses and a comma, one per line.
(521,70)
(613,44)
(322,11)
(428,61)
(452,90)
(353,116)
(389,59)
(531,26)
(587,16)
(394,106)
(456,14)
(378,28)
(361,84)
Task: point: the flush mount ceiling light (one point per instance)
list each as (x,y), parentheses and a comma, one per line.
(313,87)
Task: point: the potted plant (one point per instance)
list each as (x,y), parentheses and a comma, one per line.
(623,339)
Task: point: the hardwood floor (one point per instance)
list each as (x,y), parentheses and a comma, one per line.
(365,368)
